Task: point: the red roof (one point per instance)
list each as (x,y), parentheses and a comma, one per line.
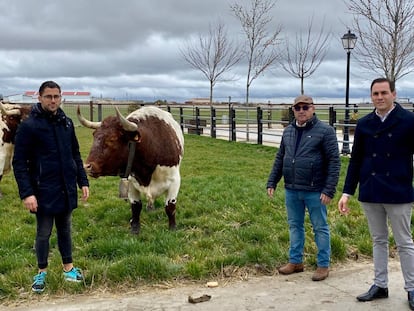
(64,93)
(75,93)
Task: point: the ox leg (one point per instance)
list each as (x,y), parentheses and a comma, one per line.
(136,208)
(170,211)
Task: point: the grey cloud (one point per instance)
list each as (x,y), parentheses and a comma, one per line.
(131,48)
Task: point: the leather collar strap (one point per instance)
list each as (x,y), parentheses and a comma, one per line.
(131,156)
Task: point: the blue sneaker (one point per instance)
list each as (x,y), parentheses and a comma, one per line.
(74,275)
(38,285)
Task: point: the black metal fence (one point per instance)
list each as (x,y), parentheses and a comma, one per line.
(260,124)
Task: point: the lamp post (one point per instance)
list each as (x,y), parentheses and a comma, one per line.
(348,41)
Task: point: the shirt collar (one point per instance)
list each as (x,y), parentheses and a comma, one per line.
(385,115)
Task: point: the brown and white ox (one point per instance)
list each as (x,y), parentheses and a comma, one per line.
(11,117)
(154,162)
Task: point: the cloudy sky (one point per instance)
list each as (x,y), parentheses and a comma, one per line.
(131,49)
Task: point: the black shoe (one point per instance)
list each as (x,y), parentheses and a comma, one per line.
(374,292)
(411,299)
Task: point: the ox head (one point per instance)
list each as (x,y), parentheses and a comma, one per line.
(109,152)
(12,116)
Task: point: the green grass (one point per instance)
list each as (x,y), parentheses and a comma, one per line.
(224,219)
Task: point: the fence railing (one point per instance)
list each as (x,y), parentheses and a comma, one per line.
(260,124)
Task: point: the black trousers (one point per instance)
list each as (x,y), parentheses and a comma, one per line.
(63,223)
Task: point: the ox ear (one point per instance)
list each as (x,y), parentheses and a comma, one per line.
(137,138)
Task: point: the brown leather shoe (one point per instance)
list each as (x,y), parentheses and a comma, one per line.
(290,268)
(320,274)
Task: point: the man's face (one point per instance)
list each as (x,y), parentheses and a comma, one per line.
(303,112)
(382,97)
(50,99)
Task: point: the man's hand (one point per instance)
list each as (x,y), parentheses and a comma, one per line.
(270,192)
(30,203)
(325,199)
(343,205)
(85,193)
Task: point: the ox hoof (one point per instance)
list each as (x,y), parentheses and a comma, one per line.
(135,228)
(173,227)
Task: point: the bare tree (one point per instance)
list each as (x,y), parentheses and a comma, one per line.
(385,29)
(261,45)
(304,56)
(213,55)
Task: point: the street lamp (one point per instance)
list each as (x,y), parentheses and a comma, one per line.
(348,41)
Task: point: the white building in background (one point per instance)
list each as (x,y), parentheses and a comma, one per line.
(31,97)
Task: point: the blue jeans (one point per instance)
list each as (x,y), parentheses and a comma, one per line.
(296,203)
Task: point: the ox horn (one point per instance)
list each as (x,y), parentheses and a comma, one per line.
(8,112)
(87,123)
(126,125)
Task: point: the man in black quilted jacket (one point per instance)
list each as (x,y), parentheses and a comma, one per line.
(308,159)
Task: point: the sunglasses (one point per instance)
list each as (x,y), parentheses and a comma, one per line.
(304,107)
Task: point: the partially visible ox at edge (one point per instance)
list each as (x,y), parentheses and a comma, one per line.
(154,164)
(11,116)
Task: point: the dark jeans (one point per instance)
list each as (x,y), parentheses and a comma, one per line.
(63,224)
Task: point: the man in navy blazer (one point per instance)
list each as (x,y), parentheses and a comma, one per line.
(382,163)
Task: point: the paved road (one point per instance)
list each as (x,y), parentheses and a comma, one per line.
(271,137)
(295,292)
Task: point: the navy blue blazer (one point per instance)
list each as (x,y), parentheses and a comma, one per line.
(382,158)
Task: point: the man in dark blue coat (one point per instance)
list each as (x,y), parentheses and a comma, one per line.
(308,160)
(48,168)
(382,163)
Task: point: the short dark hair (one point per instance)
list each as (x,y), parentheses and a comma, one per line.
(49,84)
(380,80)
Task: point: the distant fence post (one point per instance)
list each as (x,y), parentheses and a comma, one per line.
(232,124)
(213,122)
(91,110)
(332,116)
(197,121)
(269,116)
(182,119)
(259,125)
(291,115)
(99,112)
(355,108)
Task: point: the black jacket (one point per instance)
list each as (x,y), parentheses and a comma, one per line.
(313,164)
(47,161)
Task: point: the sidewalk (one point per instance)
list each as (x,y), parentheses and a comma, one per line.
(295,292)
(271,137)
